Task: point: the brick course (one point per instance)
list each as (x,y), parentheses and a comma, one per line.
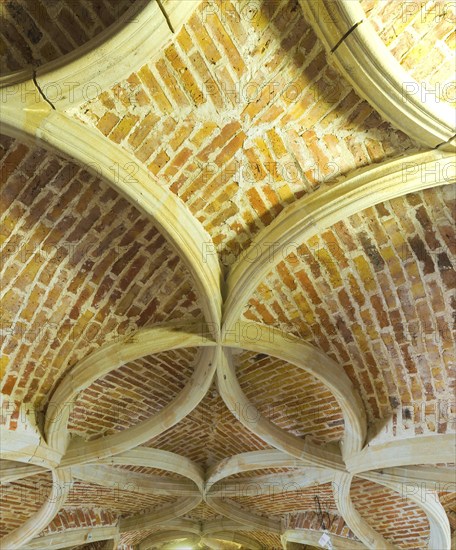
(394,516)
(239,116)
(411,30)
(241,139)
(209,433)
(280,502)
(21,499)
(370,290)
(290,398)
(134,392)
(36,32)
(81,266)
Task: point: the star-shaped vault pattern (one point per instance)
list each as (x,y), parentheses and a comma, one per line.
(228,275)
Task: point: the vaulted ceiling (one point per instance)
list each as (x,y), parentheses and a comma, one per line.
(228,274)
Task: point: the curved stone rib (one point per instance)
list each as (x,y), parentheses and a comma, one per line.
(12,471)
(227,536)
(441,479)
(212,526)
(252,460)
(323,208)
(362,57)
(169,536)
(61,482)
(183,524)
(170,415)
(428,500)
(157,517)
(311,537)
(105,359)
(72,537)
(404,452)
(233,511)
(273,341)
(29,447)
(359,526)
(108,476)
(272,484)
(135,38)
(237,402)
(157,458)
(34,119)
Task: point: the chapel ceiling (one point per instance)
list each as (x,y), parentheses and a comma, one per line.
(228,277)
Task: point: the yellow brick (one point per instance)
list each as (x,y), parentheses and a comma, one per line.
(285,193)
(365,273)
(388,254)
(203,133)
(331,266)
(418,290)
(313,242)
(123,128)
(107,123)
(4,360)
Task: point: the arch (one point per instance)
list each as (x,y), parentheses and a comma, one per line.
(236,400)
(168,536)
(328,205)
(233,511)
(108,476)
(106,359)
(171,414)
(157,517)
(238,538)
(138,34)
(404,452)
(273,341)
(33,119)
(308,536)
(440,532)
(72,537)
(271,484)
(61,482)
(352,517)
(157,458)
(12,471)
(354,47)
(253,460)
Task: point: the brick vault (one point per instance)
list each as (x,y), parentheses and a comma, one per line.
(228,274)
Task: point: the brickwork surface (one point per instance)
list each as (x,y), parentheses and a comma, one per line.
(263,472)
(81,267)
(150,471)
(33,32)
(21,499)
(240,116)
(398,519)
(209,434)
(202,513)
(411,30)
(124,499)
(79,518)
(280,501)
(316,519)
(131,394)
(449,503)
(128,540)
(300,405)
(376,288)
